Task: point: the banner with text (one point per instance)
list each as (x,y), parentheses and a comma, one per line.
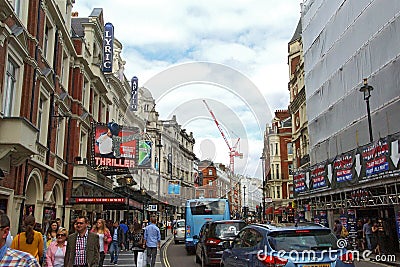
(115,148)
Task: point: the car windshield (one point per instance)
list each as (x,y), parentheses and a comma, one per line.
(180,224)
(227,229)
(301,240)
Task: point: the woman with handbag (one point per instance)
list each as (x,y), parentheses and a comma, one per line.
(137,238)
(104,238)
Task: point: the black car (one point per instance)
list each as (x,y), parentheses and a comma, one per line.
(211,237)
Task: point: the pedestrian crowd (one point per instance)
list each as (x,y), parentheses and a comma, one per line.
(373,235)
(83,246)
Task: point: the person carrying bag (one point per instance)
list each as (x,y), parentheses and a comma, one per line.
(137,238)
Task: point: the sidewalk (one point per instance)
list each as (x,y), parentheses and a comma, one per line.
(126,257)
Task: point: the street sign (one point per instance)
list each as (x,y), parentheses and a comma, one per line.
(152,208)
(268,199)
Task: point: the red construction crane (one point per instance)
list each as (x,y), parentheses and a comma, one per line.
(232,150)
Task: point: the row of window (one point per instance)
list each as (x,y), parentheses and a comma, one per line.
(274,150)
(276,191)
(275,171)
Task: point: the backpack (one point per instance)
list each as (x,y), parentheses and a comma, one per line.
(344,233)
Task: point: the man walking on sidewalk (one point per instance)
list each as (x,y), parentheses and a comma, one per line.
(152,240)
(117,239)
(82,246)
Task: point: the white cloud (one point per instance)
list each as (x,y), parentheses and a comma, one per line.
(249,36)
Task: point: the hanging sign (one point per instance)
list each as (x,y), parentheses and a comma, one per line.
(133,105)
(108,47)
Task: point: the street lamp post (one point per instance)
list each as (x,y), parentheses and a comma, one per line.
(129,182)
(366,89)
(244,196)
(159,145)
(245,208)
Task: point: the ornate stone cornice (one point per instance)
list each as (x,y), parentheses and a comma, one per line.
(297,101)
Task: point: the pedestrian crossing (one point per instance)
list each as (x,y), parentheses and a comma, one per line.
(125,258)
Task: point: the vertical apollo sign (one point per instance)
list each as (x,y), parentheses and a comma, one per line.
(108,47)
(134,94)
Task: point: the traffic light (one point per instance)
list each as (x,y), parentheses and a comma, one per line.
(245,211)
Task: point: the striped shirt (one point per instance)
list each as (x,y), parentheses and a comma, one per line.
(14,257)
(80,248)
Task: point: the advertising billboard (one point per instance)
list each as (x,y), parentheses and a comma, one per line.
(144,154)
(174,187)
(115,148)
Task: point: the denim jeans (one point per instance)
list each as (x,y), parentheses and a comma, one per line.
(114,251)
(369,241)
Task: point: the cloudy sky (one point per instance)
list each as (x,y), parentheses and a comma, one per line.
(233,54)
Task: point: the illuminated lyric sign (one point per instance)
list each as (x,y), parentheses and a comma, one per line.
(115,148)
(108,47)
(133,105)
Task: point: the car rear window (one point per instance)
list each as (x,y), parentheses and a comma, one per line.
(227,229)
(301,240)
(207,207)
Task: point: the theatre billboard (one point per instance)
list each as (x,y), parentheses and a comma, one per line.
(115,148)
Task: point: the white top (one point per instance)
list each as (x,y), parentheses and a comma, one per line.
(59,258)
(101,241)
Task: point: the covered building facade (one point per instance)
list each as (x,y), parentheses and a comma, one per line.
(354,156)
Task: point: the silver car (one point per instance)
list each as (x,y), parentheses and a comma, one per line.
(179,231)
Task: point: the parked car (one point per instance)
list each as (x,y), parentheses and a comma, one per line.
(179,231)
(211,237)
(289,245)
